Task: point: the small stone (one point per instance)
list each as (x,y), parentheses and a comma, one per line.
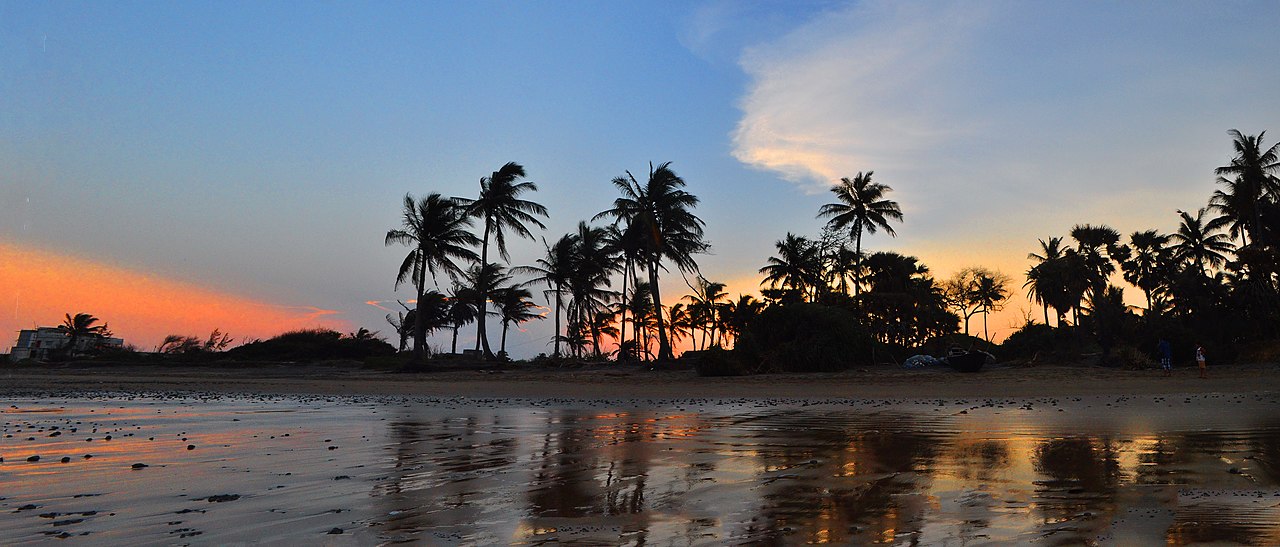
(335,531)
(139,465)
(33,459)
(191,447)
(66,459)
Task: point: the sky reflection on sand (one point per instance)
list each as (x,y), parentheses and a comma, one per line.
(1118,470)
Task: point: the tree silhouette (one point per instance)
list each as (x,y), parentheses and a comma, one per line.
(1200,242)
(515,307)
(501,209)
(555,269)
(797,266)
(661,212)
(862,208)
(77,327)
(1252,183)
(435,228)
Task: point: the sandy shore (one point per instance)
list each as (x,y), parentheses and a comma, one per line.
(629,382)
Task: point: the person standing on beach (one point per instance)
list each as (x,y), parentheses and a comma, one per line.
(1204,372)
(1166,357)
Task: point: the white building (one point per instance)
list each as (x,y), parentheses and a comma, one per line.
(41,342)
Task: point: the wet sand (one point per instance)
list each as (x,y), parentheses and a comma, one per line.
(595,458)
(615,382)
(1126,470)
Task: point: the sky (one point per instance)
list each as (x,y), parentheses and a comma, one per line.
(178,167)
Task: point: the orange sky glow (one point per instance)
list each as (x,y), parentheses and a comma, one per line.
(38,287)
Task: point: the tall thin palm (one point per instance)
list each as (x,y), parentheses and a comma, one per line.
(593,262)
(501,209)
(990,291)
(707,296)
(862,208)
(435,228)
(555,269)
(1041,284)
(662,213)
(484,279)
(1201,242)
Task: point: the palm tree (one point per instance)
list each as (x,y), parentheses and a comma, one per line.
(593,262)
(435,228)
(1146,268)
(1200,242)
(483,280)
(661,212)
(1254,182)
(1097,246)
(862,208)
(514,306)
(740,313)
(703,305)
(502,209)
(990,290)
(80,326)
(555,269)
(1042,285)
(797,265)
(462,310)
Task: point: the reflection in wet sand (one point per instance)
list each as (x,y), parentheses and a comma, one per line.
(641,473)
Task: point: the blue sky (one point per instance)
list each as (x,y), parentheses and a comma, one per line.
(262,148)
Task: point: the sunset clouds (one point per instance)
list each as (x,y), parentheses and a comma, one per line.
(37,287)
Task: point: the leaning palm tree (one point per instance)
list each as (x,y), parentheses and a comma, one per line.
(661,212)
(501,209)
(1200,242)
(862,208)
(514,306)
(78,327)
(435,228)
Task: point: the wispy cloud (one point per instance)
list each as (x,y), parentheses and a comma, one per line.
(855,89)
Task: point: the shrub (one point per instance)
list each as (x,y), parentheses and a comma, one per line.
(716,361)
(804,338)
(1040,342)
(312,345)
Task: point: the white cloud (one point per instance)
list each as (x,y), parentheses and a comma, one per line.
(857,89)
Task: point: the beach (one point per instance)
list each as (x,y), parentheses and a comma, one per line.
(632,457)
(626,382)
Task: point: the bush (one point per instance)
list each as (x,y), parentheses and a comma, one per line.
(804,338)
(716,361)
(311,345)
(1040,342)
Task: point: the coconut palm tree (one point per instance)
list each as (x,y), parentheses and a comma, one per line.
(1147,267)
(515,307)
(461,310)
(862,208)
(1042,286)
(662,213)
(435,228)
(80,326)
(707,296)
(483,280)
(1200,242)
(740,313)
(797,265)
(555,269)
(1252,181)
(990,290)
(501,209)
(593,262)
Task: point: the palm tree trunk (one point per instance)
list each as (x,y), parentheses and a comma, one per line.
(419,325)
(1046,313)
(456,326)
(857,258)
(985,333)
(664,344)
(482,338)
(556,338)
(504,337)
(622,337)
